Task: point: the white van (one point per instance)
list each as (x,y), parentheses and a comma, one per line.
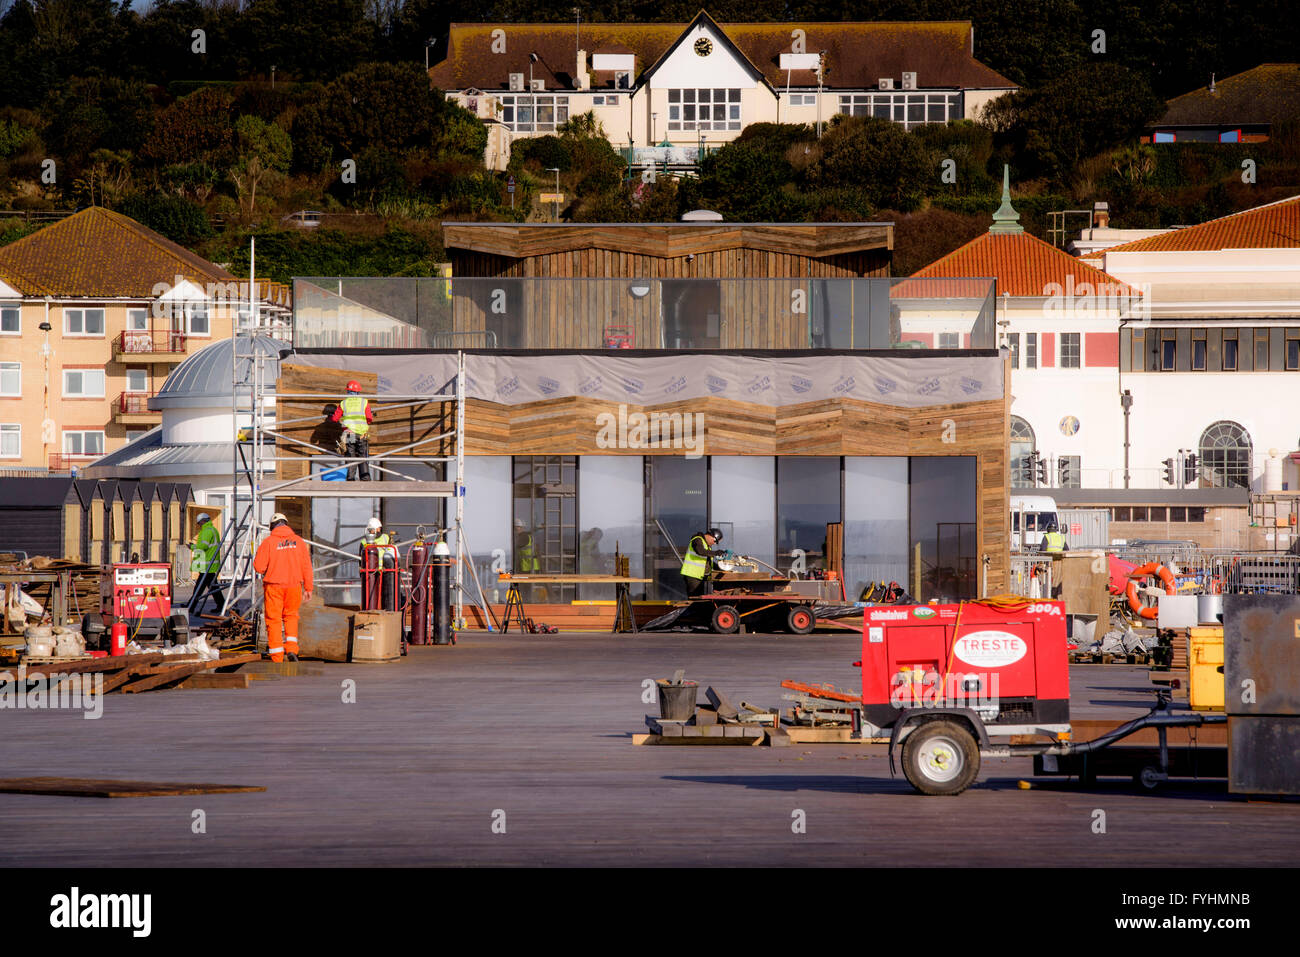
(1030,514)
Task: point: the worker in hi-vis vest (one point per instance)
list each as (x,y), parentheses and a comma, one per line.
(1053,541)
(698,562)
(206,552)
(527,561)
(354,414)
(284,562)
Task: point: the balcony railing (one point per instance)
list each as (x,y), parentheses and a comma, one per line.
(66,461)
(144,342)
(134,403)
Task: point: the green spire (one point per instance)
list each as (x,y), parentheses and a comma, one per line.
(1006,219)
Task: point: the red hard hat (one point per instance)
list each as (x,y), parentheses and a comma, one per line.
(354,386)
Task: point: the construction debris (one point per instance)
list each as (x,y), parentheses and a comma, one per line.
(129,674)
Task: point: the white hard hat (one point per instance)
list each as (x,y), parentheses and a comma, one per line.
(203,517)
(278,517)
(519,523)
(373,525)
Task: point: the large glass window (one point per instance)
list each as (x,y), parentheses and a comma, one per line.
(83,383)
(1031,350)
(11,323)
(611,515)
(704,110)
(11,378)
(943,516)
(83,322)
(910,109)
(807,500)
(743,493)
(488,536)
(546,521)
(11,440)
(534,113)
(1225,456)
(676,508)
(875,522)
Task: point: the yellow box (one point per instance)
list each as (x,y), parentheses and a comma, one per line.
(1205,668)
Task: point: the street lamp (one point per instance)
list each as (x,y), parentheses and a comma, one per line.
(556,197)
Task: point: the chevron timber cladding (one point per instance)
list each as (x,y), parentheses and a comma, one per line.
(567,425)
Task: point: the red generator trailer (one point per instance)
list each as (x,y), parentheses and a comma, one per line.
(950,684)
(139,595)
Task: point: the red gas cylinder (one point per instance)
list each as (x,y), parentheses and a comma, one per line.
(118,643)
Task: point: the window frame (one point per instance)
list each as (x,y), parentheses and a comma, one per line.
(69,311)
(17,310)
(1031,350)
(68,433)
(1074,361)
(1291,347)
(1236,352)
(15,367)
(132,315)
(1013,346)
(1199,340)
(141,370)
(16,429)
(75,370)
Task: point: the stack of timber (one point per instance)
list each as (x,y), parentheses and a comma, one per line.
(577,616)
(85,579)
(718,722)
(131,674)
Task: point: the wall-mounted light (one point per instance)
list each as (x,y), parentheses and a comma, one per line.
(639,290)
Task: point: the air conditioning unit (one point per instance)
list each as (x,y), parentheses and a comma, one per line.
(886,83)
(623,80)
(909,81)
(539,86)
(516,83)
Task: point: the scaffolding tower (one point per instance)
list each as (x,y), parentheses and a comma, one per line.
(260,443)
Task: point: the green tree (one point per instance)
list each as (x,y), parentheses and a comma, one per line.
(890,165)
(195,128)
(90,113)
(263,154)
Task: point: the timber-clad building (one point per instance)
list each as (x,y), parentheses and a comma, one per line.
(622,395)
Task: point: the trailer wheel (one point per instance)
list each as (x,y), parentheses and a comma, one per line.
(1149,778)
(799,620)
(726,620)
(941,757)
(177,629)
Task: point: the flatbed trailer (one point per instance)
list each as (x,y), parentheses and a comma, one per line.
(726,612)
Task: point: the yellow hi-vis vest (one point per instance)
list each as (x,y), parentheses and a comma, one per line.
(354,414)
(1055,543)
(528,562)
(694,565)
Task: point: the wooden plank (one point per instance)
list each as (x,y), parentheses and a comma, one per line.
(209,680)
(165,677)
(104,788)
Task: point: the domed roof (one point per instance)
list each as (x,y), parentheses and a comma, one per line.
(204,379)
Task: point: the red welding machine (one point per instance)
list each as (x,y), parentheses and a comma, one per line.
(942,680)
(138,595)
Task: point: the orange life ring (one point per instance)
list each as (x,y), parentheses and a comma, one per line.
(1150,568)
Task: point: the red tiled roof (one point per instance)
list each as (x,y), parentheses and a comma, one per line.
(98,254)
(857,54)
(1272,226)
(1022,264)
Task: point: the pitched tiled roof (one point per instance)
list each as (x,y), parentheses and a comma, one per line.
(1272,226)
(1022,264)
(857,54)
(1269,93)
(98,254)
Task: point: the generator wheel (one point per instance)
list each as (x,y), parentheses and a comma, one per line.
(178,629)
(1149,778)
(93,629)
(941,757)
(726,620)
(800,620)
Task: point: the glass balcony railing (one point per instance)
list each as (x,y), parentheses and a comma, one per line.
(694,314)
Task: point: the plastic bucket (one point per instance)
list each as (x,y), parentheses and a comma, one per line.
(335,475)
(677,702)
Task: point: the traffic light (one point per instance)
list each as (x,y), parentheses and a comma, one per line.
(1042,470)
(1026,465)
(1062,472)
(1189,471)
(1169,471)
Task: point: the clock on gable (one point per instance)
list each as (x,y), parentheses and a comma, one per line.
(703,46)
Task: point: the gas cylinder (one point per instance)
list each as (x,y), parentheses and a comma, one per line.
(417,561)
(117,645)
(442,594)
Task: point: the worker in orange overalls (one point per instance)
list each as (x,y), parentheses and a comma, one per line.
(284,563)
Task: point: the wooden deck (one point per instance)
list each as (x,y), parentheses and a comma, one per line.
(540,727)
